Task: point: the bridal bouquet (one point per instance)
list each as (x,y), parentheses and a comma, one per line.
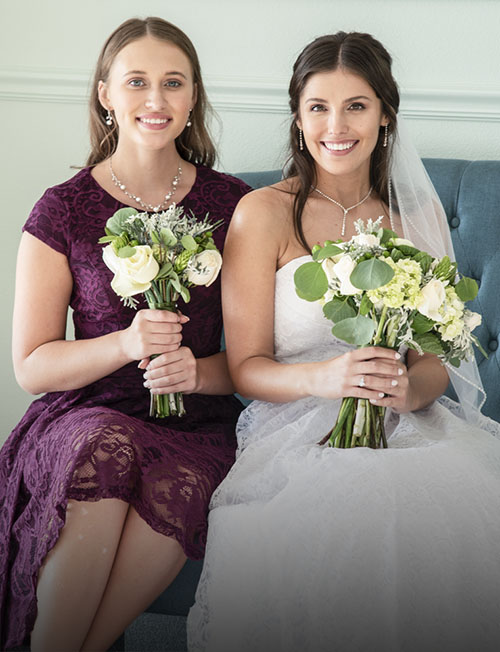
(380,290)
(160,255)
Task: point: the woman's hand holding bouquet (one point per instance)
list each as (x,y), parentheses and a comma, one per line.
(381,291)
(160,255)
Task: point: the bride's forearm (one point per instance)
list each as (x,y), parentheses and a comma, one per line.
(428,381)
(214,375)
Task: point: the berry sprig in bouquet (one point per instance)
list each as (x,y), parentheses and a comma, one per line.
(160,255)
(380,290)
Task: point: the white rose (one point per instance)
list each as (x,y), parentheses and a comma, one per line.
(328,266)
(433,295)
(366,240)
(132,275)
(472,319)
(203,268)
(343,270)
(402,241)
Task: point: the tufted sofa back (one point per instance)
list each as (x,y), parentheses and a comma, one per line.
(470,192)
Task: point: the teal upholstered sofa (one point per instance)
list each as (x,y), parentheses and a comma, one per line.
(470,192)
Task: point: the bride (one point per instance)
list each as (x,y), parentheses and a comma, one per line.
(313,548)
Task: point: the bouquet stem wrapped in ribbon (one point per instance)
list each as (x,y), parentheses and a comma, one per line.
(380,290)
(160,255)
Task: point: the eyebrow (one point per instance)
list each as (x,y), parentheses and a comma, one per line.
(349,99)
(143,72)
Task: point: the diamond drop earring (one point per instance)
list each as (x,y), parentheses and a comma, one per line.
(386,137)
(109,118)
(301,141)
(189,123)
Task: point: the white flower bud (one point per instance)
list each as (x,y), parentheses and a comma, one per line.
(203,268)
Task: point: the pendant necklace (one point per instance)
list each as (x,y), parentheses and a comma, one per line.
(147,207)
(346,210)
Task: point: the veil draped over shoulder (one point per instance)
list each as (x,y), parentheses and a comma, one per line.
(425,224)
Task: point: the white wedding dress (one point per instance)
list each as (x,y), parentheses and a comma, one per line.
(319,549)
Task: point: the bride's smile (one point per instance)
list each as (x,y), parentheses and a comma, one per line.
(341,117)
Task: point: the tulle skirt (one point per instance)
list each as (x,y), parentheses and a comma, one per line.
(318,549)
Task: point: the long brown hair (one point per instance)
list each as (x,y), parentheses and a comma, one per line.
(194,143)
(362,55)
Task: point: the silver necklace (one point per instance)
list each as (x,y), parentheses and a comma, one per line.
(346,210)
(148,207)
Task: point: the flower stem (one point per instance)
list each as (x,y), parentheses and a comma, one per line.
(378,335)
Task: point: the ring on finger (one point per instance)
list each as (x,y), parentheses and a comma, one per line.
(362,382)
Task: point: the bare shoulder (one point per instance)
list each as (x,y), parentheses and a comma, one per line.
(269,208)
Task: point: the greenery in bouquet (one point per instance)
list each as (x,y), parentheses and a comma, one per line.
(160,255)
(380,290)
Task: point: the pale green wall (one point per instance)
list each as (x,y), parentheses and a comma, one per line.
(446,58)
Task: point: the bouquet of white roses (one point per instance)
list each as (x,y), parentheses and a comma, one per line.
(380,290)
(160,255)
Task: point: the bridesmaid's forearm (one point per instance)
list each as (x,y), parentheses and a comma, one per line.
(266,379)
(66,364)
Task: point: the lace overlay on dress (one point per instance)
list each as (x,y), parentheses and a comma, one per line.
(99,441)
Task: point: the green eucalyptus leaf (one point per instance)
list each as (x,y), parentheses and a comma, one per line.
(356,330)
(396,255)
(126,252)
(176,284)
(429,343)
(117,223)
(365,306)
(310,281)
(421,324)
(164,270)
(167,237)
(338,309)
(106,238)
(371,274)
(188,242)
(424,259)
(185,294)
(466,289)
(155,237)
(386,235)
(300,295)
(408,251)
(328,251)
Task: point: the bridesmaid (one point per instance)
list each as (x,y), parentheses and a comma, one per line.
(100,504)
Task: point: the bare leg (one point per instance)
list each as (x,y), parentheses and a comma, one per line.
(145,564)
(74,575)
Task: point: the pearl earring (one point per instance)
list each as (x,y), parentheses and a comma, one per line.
(386,137)
(189,123)
(301,141)
(109,118)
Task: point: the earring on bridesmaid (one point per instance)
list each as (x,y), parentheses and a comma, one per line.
(109,118)
(386,137)
(301,141)
(189,123)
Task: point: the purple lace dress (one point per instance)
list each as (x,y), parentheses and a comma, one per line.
(98,441)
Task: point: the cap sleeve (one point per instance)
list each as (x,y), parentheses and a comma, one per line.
(48,221)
